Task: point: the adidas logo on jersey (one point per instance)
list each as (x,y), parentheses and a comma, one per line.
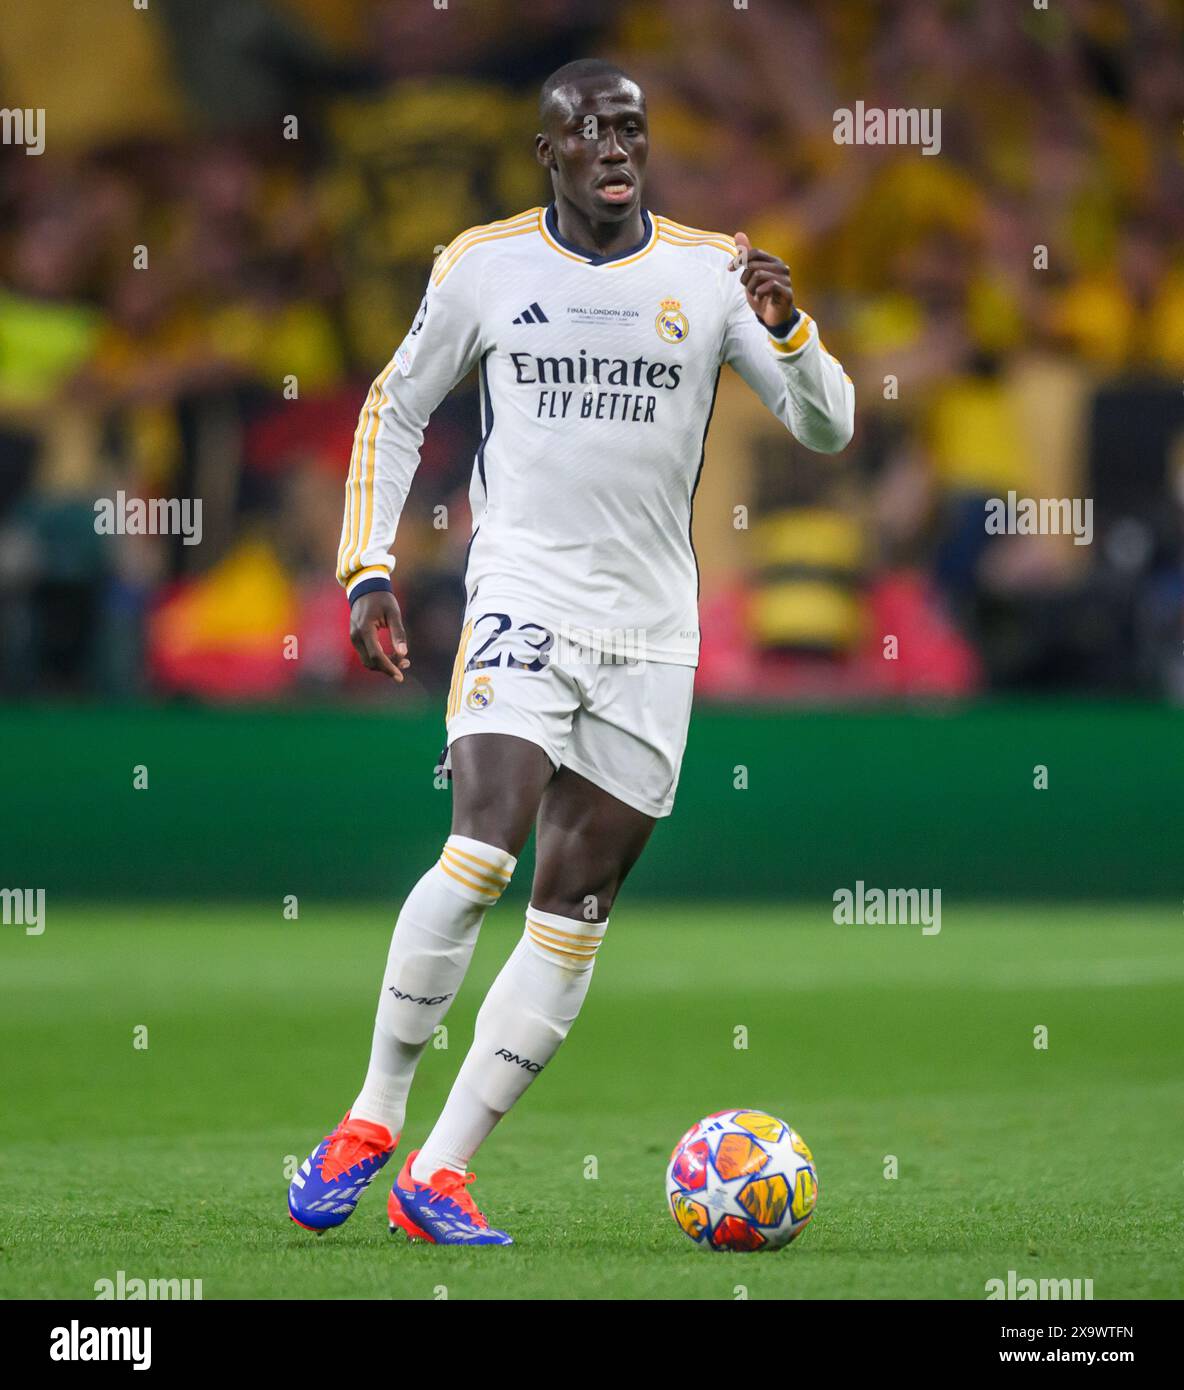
(532,315)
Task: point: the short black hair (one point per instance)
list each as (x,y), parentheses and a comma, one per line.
(576,72)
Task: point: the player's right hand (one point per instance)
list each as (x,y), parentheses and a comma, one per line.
(367,617)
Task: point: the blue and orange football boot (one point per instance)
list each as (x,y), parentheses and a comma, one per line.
(440,1211)
(331,1179)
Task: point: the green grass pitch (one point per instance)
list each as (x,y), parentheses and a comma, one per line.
(871,1041)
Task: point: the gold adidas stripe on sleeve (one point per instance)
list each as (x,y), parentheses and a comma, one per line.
(677,235)
(370,572)
(360,481)
(523,223)
(797,339)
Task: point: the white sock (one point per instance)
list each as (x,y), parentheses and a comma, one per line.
(527,1013)
(430,951)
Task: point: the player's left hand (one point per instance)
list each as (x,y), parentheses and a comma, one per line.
(766,283)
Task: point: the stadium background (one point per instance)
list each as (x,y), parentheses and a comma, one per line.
(273,260)
(273,780)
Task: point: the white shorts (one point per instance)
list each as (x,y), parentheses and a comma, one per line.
(621,725)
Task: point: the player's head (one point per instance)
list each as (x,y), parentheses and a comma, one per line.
(594,138)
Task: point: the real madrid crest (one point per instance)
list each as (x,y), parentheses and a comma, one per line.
(671,322)
(481,695)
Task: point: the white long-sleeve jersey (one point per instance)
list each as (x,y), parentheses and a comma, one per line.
(597,379)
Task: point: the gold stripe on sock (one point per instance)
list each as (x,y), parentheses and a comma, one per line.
(576,952)
(559,951)
(572,938)
(476,858)
(487,882)
(467,883)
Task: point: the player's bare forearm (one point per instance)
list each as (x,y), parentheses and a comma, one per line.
(766,282)
(367,617)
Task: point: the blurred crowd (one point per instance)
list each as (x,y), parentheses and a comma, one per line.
(235,214)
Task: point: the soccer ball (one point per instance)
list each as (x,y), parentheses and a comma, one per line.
(741,1180)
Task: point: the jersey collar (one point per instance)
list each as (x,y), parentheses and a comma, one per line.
(549,226)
